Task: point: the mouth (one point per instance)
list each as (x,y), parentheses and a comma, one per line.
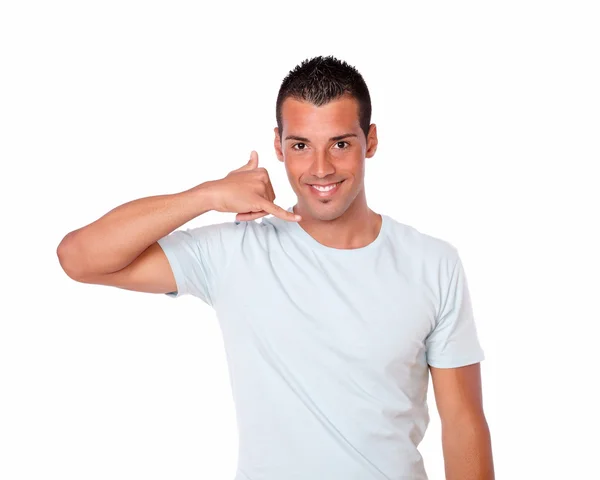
(326,190)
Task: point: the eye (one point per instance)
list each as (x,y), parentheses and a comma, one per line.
(295,145)
(342,141)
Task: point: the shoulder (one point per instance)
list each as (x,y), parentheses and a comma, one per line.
(211,236)
(419,245)
(234,232)
(242,233)
(269,226)
(223,230)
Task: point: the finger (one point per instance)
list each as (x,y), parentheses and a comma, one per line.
(280,212)
(270,192)
(252,163)
(246,217)
(254,159)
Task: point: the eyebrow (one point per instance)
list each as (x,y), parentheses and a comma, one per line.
(332,139)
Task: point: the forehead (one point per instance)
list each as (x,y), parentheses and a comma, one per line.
(301,117)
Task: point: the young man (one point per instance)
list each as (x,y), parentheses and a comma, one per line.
(332,315)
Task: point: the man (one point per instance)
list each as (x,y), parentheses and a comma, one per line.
(332,315)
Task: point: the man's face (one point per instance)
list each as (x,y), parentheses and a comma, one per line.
(323,146)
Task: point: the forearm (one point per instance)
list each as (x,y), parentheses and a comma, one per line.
(116,239)
(467,450)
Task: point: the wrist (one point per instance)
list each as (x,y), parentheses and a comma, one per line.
(203,196)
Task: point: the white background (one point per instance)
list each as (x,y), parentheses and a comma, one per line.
(488,118)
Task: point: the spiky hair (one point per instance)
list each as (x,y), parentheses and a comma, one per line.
(320,80)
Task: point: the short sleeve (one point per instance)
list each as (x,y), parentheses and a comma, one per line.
(454,341)
(199,257)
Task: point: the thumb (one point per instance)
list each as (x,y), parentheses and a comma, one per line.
(253,159)
(252,163)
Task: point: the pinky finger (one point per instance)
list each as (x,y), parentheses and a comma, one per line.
(246,217)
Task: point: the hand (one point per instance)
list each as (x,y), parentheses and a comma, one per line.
(248,192)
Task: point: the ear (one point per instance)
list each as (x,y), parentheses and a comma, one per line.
(277,145)
(371,141)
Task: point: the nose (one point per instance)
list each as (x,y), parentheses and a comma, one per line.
(321,166)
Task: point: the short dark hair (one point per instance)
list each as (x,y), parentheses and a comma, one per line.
(321,79)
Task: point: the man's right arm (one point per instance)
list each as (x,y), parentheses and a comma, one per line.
(120,248)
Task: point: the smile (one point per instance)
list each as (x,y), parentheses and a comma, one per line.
(325,190)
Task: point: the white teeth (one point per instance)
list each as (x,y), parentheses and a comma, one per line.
(325,189)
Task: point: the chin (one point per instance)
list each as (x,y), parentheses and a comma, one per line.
(324,210)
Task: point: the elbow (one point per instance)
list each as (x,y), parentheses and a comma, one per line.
(68,257)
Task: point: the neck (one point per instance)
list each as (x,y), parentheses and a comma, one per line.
(357,227)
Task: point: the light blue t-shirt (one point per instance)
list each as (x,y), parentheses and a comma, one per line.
(328,349)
